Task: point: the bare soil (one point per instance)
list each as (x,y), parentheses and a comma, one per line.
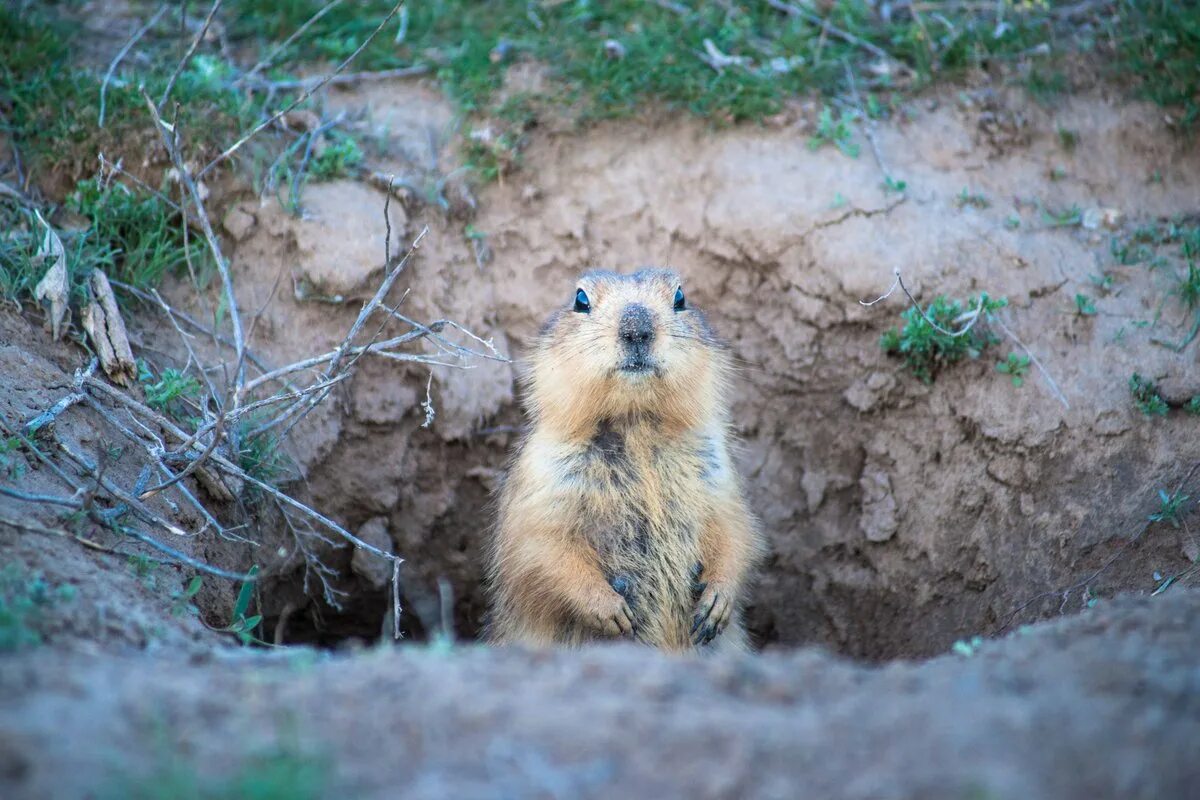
(901,517)
(1102,705)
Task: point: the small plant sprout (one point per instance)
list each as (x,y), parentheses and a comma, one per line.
(171,386)
(338,159)
(1102,281)
(838,132)
(839,200)
(1146,396)
(894,185)
(1012,222)
(1067,218)
(182,599)
(11,466)
(1192,406)
(25,597)
(1085,306)
(974,199)
(241,625)
(1068,139)
(1188,289)
(1015,366)
(1170,507)
(967,647)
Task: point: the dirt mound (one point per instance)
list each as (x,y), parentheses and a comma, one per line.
(1033,716)
(901,516)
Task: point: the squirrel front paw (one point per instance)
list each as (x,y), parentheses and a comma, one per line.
(609,614)
(713,612)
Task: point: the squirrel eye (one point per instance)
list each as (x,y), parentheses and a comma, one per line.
(680,304)
(582,304)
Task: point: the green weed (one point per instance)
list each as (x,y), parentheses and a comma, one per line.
(169,391)
(974,199)
(12,465)
(891,185)
(1066,218)
(1084,305)
(181,601)
(1188,288)
(1015,366)
(140,565)
(836,131)
(1192,406)
(25,597)
(1046,86)
(1169,509)
(1146,396)
(339,158)
(240,624)
(1067,139)
(926,349)
(260,453)
(1103,281)
(143,233)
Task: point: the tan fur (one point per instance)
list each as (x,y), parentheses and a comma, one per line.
(625,479)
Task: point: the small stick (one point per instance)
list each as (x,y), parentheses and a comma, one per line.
(973,316)
(48,416)
(112,67)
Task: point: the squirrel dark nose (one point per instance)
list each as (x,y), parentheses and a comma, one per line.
(637,325)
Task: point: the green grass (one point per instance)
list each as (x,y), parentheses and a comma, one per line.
(926,349)
(25,597)
(470,45)
(135,238)
(1159,47)
(1146,396)
(54,107)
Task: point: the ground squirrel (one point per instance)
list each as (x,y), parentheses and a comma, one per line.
(622,514)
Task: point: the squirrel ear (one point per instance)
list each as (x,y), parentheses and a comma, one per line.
(582,304)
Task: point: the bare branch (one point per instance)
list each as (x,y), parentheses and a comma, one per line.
(168,136)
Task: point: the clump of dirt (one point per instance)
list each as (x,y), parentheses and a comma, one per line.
(901,516)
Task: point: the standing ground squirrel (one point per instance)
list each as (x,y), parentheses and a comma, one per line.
(621,513)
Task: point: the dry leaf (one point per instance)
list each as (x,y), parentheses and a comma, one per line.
(52,288)
(105,327)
